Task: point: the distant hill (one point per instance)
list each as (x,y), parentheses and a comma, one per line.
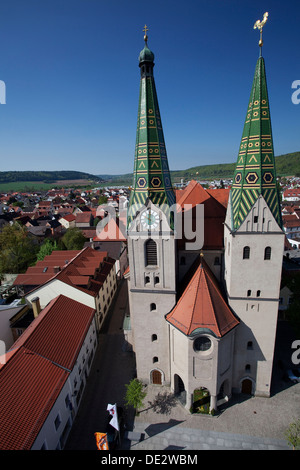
(286,165)
(45,176)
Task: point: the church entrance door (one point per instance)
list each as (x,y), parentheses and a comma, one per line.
(156,377)
(247,387)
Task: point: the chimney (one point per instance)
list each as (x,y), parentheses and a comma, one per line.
(36,307)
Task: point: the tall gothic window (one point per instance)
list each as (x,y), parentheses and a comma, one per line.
(246,252)
(268,252)
(151,253)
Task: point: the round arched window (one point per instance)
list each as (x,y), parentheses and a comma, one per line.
(203,343)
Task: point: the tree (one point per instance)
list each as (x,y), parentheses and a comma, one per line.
(134,394)
(17,249)
(73,239)
(102,200)
(292,434)
(46,249)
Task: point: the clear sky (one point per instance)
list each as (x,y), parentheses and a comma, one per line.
(72,79)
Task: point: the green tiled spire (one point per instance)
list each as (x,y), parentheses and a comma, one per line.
(255,173)
(151,178)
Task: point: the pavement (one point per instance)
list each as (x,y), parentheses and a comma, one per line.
(245,423)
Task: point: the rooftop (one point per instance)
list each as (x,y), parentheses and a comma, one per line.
(37,367)
(202,306)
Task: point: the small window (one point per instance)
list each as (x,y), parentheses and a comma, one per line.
(155,359)
(267,253)
(152,307)
(250,345)
(156,280)
(247,368)
(154,337)
(248,293)
(57,422)
(203,343)
(147,280)
(255,219)
(258,293)
(246,252)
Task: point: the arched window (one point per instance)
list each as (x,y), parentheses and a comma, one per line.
(155,359)
(151,253)
(152,307)
(246,252)
(267,252)
(258,293)
(154,337)
(248,293)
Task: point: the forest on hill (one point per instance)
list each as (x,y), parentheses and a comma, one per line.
(286,165)
(45,176)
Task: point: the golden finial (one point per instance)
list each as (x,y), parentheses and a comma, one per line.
(259,25)
(145,31)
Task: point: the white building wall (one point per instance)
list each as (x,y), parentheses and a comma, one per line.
(64,410)
(253,287)
(52,289)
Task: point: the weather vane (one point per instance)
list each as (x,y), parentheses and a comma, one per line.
(259,25)
(145,31)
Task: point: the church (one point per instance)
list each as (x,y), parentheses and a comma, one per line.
(205,265)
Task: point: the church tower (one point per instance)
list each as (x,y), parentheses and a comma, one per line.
(254,242)
(151,240)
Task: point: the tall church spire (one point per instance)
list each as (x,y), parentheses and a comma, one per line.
(255,173)
(151,179)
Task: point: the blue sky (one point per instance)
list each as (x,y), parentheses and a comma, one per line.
(72,79)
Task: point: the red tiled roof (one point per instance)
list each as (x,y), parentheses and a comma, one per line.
(202,306)
(83,265)
(214,211)
(292,223)
(83,217)
(58,331)
(69,217)
(36,369)
(29,387)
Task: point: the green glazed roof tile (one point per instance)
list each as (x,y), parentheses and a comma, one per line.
(255,172)
(151,176)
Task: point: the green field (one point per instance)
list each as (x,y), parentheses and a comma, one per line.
(24,186)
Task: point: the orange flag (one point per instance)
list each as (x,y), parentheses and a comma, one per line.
(101,440)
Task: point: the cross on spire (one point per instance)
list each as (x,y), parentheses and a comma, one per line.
(145,31)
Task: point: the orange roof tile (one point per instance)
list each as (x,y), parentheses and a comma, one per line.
(29,387)
(214,212)
(58,331)
(77,272)
(202,306)
(36,369)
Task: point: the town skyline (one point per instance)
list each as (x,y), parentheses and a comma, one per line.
(63,67)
